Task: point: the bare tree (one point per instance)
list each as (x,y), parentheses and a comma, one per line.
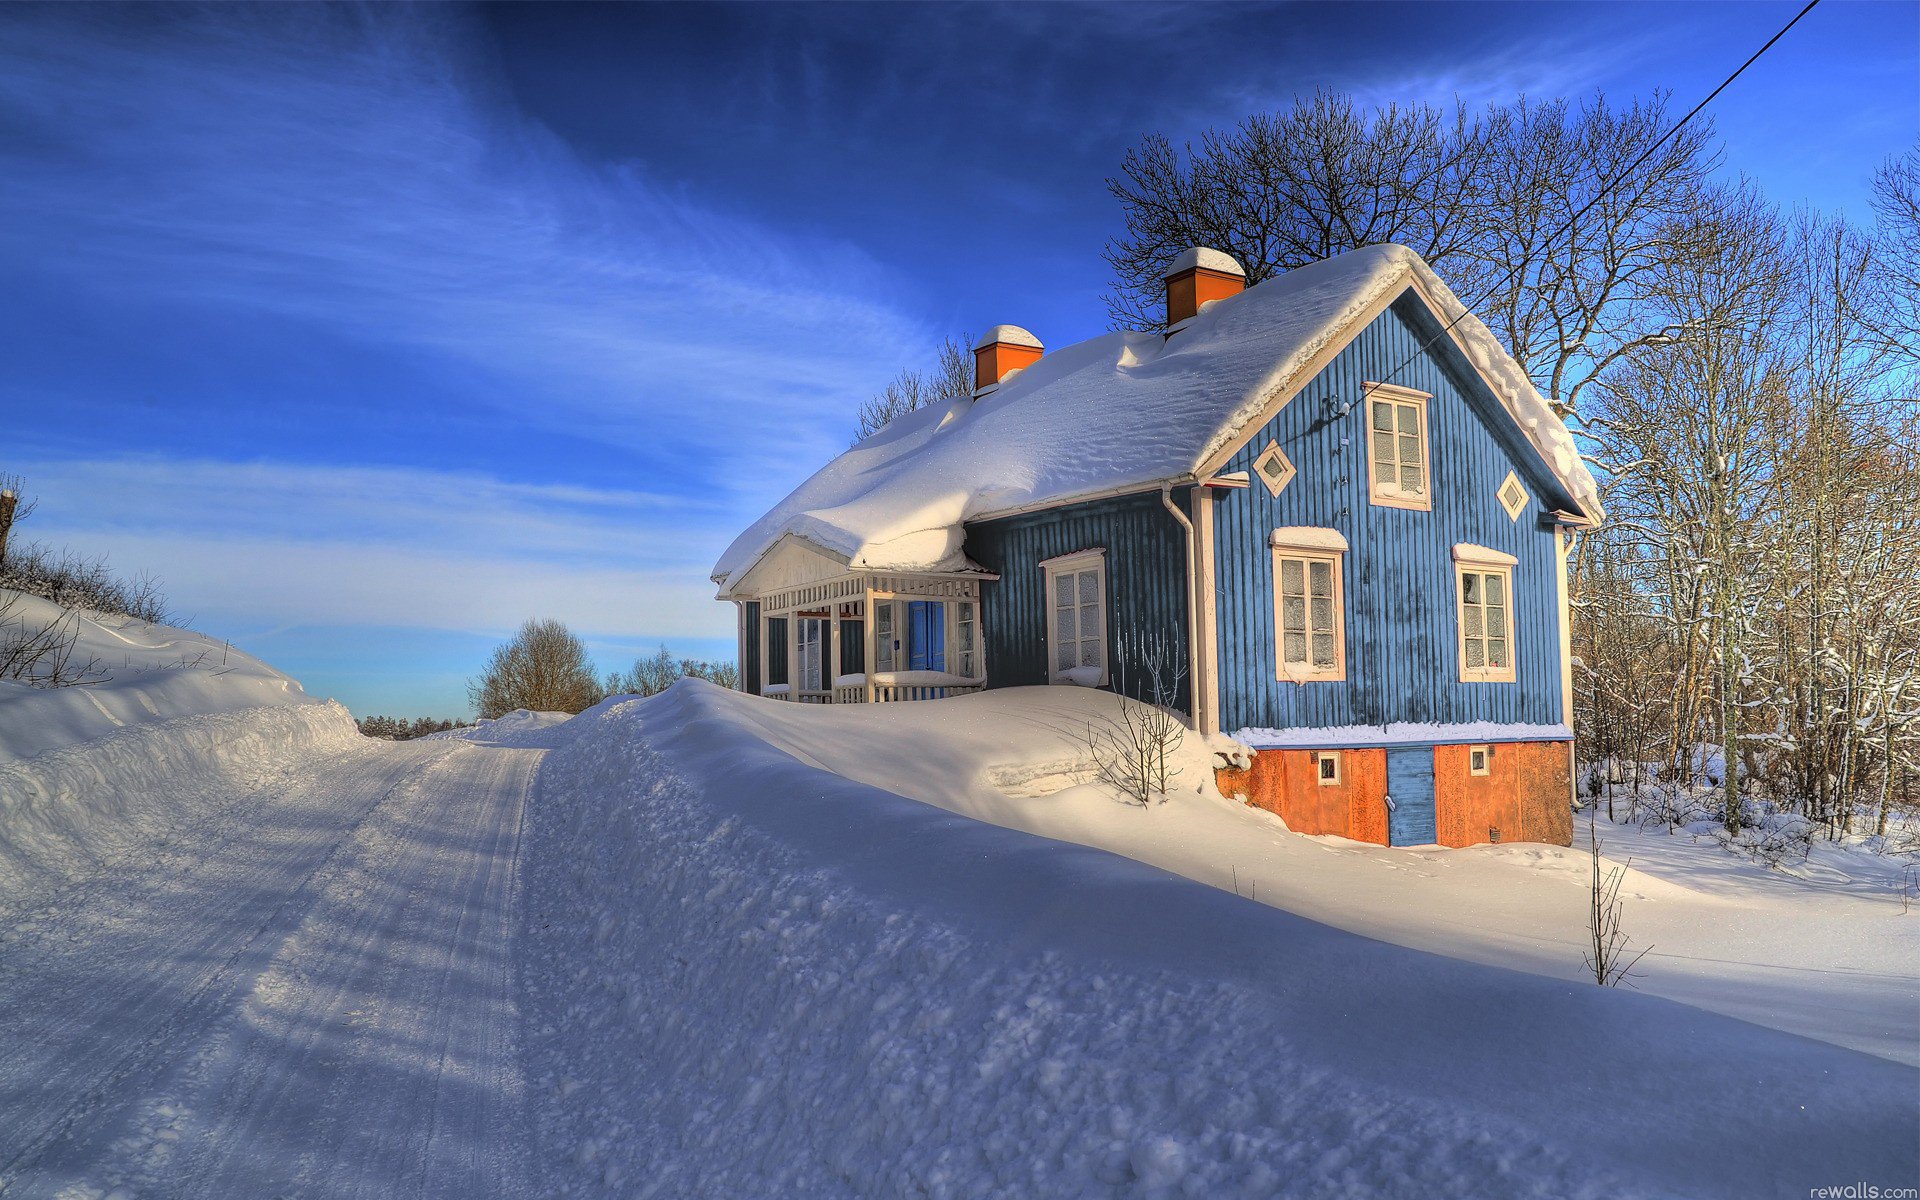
(657,672)
(1284,189)
(1607,947)
(1544,216)
(950,377)
(1896,201)
(544,668)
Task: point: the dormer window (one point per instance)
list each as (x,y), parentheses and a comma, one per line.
(1397,471)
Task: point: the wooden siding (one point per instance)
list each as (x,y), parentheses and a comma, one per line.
(750,665)
(1400,610)
(1523,795)
(1287,783)
(1146,582)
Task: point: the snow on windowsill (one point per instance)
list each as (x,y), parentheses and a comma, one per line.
(1083,676)
(1307,537)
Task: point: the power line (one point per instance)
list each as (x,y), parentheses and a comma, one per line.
(1617,180)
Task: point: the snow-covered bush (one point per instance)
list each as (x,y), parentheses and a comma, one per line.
(42,652)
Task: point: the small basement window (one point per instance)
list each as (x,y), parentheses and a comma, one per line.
(1274,468)
(1327,767)
(1513,497)
(1480,760)
(1397,459)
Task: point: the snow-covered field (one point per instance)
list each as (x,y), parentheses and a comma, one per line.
(757,976)
(711,945)
(1829,951)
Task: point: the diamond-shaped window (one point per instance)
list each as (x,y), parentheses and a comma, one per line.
(1512,496)
(1273,468)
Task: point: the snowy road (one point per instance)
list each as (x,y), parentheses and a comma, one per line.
(312,993)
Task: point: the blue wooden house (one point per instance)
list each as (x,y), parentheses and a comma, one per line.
(1332,502)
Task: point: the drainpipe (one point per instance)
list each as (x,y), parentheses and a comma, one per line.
(1193,608)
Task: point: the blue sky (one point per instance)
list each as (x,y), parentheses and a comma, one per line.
(372,331)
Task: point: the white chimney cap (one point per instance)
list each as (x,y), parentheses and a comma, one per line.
(1209,259)
(1012,335)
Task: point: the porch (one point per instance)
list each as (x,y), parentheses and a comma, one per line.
(860,638)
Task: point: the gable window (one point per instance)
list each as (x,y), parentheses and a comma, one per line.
(1512,496)
(1484,590)
(1326,767)
(1309,604)
(1479,760)
(1274,468)
(1397,456)
(1077,617)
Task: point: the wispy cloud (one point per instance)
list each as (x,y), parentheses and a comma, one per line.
(238,544)
(353,167)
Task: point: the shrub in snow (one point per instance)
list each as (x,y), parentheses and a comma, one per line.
(74,582)
(40,652)
(1607,950)
(1132,749)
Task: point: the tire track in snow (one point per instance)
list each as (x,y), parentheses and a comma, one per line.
(379,1055)
(106,988)
(389,890)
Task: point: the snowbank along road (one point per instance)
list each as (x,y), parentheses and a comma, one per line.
(309,991)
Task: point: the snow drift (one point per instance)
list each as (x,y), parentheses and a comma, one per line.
(175,726)
(747,975)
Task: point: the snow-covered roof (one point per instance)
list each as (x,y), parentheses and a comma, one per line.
(1119,412)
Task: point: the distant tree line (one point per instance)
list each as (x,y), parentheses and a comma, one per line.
(399,729)
(545,668)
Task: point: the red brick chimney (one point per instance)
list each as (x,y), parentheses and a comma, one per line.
(1002,351)
(1198,278)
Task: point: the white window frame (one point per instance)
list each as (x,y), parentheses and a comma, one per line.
(818,643)
(1486,760)
(1075,564)
(1309,547)
(1319,771)
(884,649)
(1273,453)
(1387,492)
(964,661)
(1513,510)
(1479,560)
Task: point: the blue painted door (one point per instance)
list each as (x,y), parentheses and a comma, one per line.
(927,635)
(1410,787)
